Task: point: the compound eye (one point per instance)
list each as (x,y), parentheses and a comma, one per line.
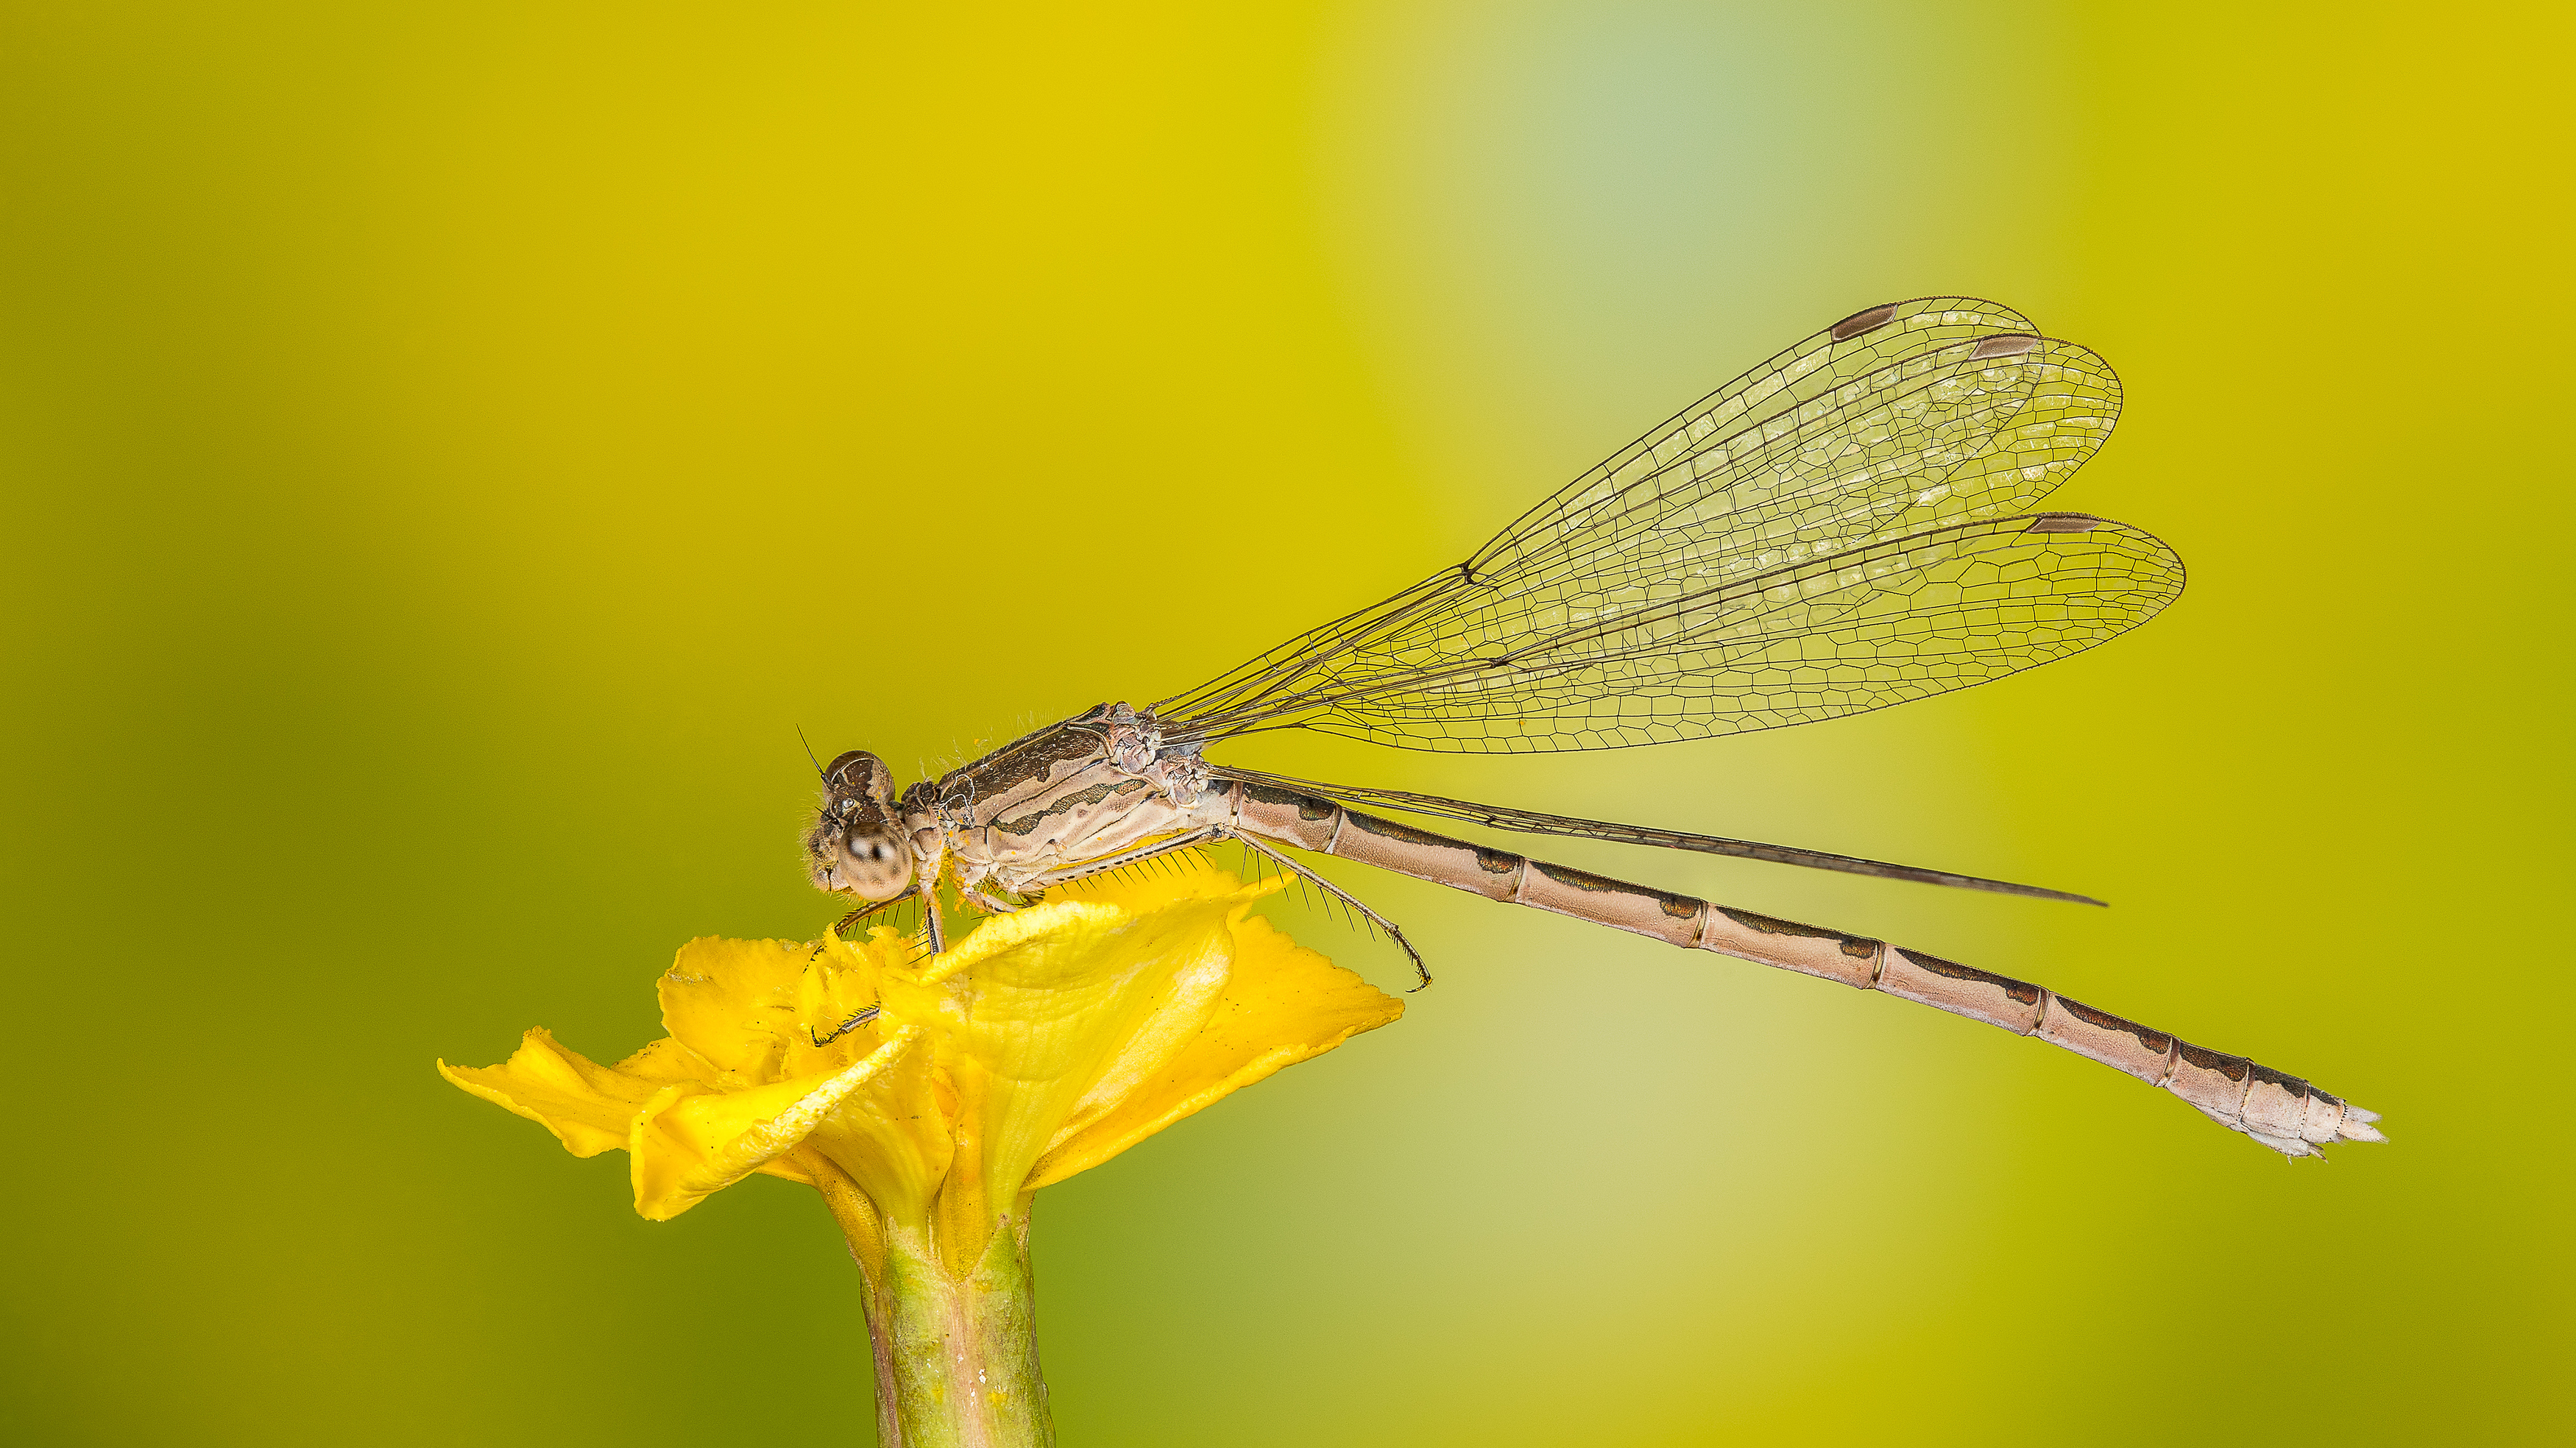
(868,847)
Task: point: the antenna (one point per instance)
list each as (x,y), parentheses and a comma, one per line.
(809,752)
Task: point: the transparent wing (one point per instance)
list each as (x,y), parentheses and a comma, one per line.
(1825,535)
(1894,620)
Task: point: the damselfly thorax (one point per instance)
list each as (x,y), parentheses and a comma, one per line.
(1085,796)
(1846,527)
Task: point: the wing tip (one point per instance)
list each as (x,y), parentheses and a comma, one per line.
(2027,892)
(1956,310)
(2066,523)
(1864,321)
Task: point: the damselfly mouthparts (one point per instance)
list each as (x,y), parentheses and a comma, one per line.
(1845,527)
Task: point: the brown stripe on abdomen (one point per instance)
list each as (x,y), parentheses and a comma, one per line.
(1806,949)
(1564,890)
(1285,815)
(1424,855)
(2211,1080)
(2114,1041)
(1998,1000)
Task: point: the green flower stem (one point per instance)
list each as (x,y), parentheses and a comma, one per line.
(957,1358)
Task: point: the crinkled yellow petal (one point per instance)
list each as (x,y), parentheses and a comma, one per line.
(586,1105)
(891,1138)
(589,1107)
(663,1062)
(751,1013)
(1282,1004)
(689,1142)
(746,1006)
(733,1002)
(1034,1008)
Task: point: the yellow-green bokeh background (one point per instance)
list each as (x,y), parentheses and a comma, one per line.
(448,451)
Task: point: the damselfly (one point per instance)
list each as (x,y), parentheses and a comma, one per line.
(1845,527)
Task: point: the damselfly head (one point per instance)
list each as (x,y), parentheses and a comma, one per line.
(857,846)
(858,775)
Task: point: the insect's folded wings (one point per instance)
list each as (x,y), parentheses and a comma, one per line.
(1844,528)
(1535,822)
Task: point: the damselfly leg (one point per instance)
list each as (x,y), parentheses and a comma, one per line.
(861,1017)
(1137,855)
(842,925)
(1393,932)
(994,904)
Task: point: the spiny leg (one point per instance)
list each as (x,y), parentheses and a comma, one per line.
(995,904)
(938,943)
(1134,856)
(1337,892)
(864,1014)
(842,925)
(937,933)
(861,1017)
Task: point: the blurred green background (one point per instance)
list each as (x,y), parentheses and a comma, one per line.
(449,450)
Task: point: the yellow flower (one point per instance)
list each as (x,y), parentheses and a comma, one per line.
(1040,1045)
